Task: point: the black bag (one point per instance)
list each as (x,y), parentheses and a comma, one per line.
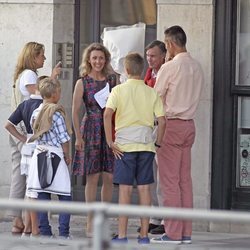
(47,164)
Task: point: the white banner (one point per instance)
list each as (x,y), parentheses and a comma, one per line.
(120,41)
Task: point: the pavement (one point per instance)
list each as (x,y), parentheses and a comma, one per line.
(200,240)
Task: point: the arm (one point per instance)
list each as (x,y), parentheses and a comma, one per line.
(28,81)
(13,131)
(76,106)
(107,119)
(65,147)
(60,132)
(161,129)
(162,81)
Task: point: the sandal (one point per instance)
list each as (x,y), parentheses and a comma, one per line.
(17,230)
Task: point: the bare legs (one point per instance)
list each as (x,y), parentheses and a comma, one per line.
(18,183)
(144,200)
(91,190)
(90,196)
(27,222)
(125,192)
(18,225)
(34,223)
(107,187)
(31,222)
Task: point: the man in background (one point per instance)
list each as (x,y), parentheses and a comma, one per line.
(155,54)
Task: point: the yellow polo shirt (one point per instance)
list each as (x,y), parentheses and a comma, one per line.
(136,104)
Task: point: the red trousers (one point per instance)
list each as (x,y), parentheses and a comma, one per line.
(174,162)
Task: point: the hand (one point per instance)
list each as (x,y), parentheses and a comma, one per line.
(116,151)
(67,160)
(57,70)
(79,144)
(168,57)
(24,139)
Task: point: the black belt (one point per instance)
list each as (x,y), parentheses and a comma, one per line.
(179,119)
(172,119)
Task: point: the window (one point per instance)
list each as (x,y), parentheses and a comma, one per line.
(243,44)
(242,80)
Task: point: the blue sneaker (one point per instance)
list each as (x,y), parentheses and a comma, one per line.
(165,239)
(186,240)
(143,240)
(116,239)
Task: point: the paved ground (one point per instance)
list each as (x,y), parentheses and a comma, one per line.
(201,240)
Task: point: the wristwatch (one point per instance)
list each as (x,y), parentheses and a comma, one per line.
(157,145)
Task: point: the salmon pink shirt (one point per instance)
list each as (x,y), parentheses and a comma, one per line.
(179,83)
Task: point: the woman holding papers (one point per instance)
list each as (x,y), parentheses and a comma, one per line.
(93,157)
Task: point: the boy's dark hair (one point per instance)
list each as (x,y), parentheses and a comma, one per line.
(177,35)
(48,86)
(159,44)
(134,64)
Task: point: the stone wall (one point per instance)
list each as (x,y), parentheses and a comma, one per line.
(47,22)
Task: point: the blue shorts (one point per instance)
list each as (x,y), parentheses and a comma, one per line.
(134,166)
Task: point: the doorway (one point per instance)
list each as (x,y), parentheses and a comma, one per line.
(91,17)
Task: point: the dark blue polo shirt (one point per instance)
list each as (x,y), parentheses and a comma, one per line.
(24,111)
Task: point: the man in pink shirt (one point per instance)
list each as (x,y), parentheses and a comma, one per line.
(179,83)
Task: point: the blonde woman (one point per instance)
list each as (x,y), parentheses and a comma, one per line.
(93,157)
(30,59)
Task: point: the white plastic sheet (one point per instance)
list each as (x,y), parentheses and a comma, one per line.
(120,41)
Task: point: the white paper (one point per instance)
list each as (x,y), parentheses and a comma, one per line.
(102,96)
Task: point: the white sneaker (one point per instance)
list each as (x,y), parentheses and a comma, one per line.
(25,235)
(186,240)
(69,237)
(164,239)
(63,240)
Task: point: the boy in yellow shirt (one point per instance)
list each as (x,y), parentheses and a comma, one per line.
(136,106)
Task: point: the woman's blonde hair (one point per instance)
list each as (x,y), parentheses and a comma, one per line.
(48,86)
(85,67)
(26,59)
